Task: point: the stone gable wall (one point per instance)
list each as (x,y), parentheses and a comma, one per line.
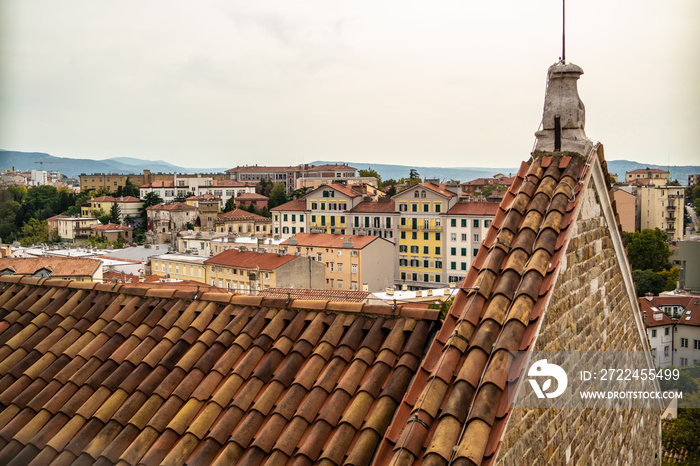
(589,310)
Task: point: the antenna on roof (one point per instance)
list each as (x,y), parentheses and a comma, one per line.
(563,31)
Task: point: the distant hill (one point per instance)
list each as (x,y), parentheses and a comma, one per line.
(74,167)
(387,171)
(125,165)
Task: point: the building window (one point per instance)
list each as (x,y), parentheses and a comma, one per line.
(696,344)
(684,342)
(403,235)
(403,207)
(453,222)
(684,361)
(340,267)
(426,207)
(438,264)
(354,254)
(426,249)
(666,351)
(666,331)
(414,207)
(453,236)
(653,353)
(332,266)
(464,223)
(403,248)
(437,250)
(354,268)
(453,265)
(476,223)
(653,333)
(437,236)
(340,284)
(463,265)
(475,252)
(476,238)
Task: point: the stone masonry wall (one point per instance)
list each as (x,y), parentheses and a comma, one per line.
(589,311)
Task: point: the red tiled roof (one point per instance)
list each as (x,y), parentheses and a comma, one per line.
(649,314)
(173,206)
(473,208)
(204,197)
(296,205)
(127,199)
(231,183)
(103,199)
(470,353)
(118,277)
(240,214)
(110,226)
(502,181)
(56,217)
(251,196)
(374,207)
(59,266)
(108,373)
(438,189)
(690,305)
(647,170)
(159,184)
(328,240)
(340,296)
(338,187)
(255,168)
(250,259)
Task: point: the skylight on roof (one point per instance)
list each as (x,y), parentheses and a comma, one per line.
(688,318)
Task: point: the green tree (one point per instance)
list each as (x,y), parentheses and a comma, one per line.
(10,220)
(370,172)
(264,187)
(684,433)
(648,281)
(150,199)
(230,204)
(278,196)
(671,277)
(130,189)
(413,174)
(115,213)
(301,192)
(41,202)
(183,197)
(35,231)
(647,250)
(15,193)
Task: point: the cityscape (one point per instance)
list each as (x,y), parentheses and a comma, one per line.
(338,312)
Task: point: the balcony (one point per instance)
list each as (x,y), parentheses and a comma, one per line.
(430,227)
(675,196)
(671,207)
(671,219)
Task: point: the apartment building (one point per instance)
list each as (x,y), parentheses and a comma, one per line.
(246,243)
(626,206)
(673,328)
(179,266)
(207,206)
(466,224)
(290,218)
(243,223)
(113,232)
(290,174)
(352,262)
(661,207)
(421,230)
(226,189)
(166,218)
(112,181)
(72,229)
(129,207)
(328,206)
(378,218)
(250,271)
(648,176)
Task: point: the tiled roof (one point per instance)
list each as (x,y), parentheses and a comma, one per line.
(107,374)
(456,408)
(255,168)
(240,214)
(231,183)
(251,196)
(111,226)
(338,187)
(128,199)
(374,207)
(438,189)
(159,184)
(473,208)
(250,259)
(647,170)
(690,305)
(204,197)
(59,266)
(118,277)
(103,199)
(173,206)
(344,296)
(328,240)
(503,181)
(650,312)
(296,204)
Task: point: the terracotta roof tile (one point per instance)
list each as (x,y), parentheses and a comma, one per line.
(143,379)
(498,304)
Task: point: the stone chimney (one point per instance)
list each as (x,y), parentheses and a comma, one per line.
(564,116)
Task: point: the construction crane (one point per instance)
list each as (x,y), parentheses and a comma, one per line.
(42,162)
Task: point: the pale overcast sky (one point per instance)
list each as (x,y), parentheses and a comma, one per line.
(432,83)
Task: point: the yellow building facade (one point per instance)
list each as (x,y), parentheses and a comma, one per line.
(179,266)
